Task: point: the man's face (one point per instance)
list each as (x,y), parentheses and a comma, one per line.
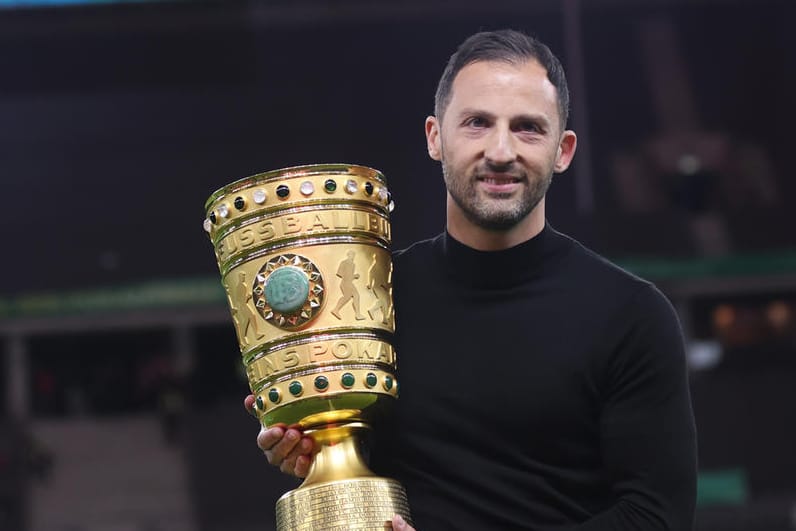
(499,141)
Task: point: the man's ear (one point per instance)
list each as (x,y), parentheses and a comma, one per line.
(566,150)
(433,138)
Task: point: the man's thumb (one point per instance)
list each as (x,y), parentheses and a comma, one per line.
(398,523)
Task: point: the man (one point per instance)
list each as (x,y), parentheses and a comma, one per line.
(542,386)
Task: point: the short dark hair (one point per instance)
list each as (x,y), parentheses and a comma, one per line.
(509,46)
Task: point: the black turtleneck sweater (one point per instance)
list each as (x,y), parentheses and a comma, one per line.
(542,387)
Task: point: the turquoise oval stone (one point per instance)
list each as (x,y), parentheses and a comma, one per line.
(321,383)
(371,379)
(388,382)
(347,380)
(273,395)
(295,388)
(287,289)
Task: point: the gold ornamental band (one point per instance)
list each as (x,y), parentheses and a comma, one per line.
(289,226)
(264,194)
(320,399)
(336,351)
(368,276)
(359,503)
(365,378)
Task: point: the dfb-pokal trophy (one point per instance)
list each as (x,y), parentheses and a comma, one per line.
(304,258)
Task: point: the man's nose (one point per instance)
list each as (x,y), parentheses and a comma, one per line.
(500,149)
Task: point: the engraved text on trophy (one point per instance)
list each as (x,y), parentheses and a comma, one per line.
(298,224)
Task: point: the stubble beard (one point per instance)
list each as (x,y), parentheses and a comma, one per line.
(497,212)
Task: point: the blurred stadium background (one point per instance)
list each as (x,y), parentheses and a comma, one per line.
(120,382)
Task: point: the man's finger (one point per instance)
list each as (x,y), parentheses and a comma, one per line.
(302,467)
(399,524)
(281,450)
(248,403)
(287,466)
(302,448)
(297,464)
(267,438)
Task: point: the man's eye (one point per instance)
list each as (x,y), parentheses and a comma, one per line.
(530,127)
(476,122)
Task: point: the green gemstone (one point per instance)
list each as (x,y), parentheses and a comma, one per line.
(347,380)
(287,289)
(240,203)
(321,383)
(282,191)
(330,185)
(369,188)
(260,403)
(388,382)
(273,396)
(295,388)
(371,380)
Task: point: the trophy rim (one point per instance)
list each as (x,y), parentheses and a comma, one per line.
(294,171)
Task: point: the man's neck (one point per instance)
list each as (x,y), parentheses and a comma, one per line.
(465,231)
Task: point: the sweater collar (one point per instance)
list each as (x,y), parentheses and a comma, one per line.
(504,268)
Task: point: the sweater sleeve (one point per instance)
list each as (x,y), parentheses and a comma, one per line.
(647,427)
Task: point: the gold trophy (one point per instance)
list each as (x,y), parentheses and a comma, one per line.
(304,257)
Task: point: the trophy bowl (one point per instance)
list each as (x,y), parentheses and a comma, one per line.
(304,258)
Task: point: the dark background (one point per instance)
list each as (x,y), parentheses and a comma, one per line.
(117,122)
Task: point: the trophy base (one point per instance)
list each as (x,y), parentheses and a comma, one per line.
(367,503)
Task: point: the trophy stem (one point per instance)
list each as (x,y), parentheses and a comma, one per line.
(340,492)
(337,454)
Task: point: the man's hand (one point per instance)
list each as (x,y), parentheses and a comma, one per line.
(284,446)
(399,524)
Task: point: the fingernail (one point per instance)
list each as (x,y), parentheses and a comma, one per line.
(275,433)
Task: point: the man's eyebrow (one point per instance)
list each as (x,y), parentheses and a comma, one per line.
(529,117)
(470,111)
(537,118)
